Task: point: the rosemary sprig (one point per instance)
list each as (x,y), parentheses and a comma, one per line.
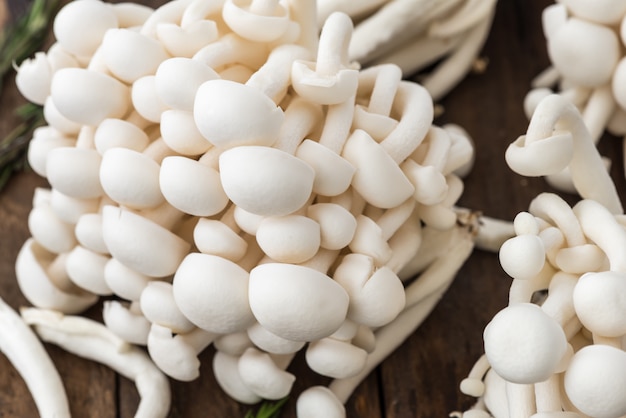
(268,409)
(17,42)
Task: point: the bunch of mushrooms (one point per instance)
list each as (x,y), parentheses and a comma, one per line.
(557,349)
(585,45)
(415,34)
(226,175)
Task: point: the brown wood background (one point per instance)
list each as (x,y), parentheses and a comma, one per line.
(421,378)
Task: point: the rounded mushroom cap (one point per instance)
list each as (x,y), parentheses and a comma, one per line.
(86,270)
(123,281)
(159,307)
(129,325)
(333,174)
(600,302)
(595,380)
(75,171)
(261,375)
(523,256)
(179,95)
(540,158)
(607,12)
(88,97)
(289,239)
(523,344)
(230,114)
(34,77)
(272,343)
(80,26)
(295,302)
(256,25)
(215,237)
(317,402)
(45,139)
(57,121)
(325,89)
(335,358)
(180,133)
(226,371)
(574,52)
(172,354)
(49,230)
(191,187)
(619,82)
(88,231)
(337,224)
(213,293)
(113,133)
(265,181)
(146,100)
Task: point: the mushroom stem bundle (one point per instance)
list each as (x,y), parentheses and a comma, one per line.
(558,353)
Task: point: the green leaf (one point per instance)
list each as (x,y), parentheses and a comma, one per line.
(268,409)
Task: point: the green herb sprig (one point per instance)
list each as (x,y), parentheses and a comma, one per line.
(268,409)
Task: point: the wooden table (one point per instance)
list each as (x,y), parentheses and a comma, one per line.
(421,378)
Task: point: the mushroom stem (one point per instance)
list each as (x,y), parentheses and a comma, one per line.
(29,357)
(337,125)
(473,384)
(322,260)
(521,399)
(492,233)
(332,53)
(548,394)
(301,12)
(464,18)
(89,339)
(598,111)
(301,118)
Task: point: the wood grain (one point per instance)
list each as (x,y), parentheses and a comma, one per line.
(421,378)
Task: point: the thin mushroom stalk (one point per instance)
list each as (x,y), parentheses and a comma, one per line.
(91,340)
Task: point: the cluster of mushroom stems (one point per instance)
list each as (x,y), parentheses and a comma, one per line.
(226,175)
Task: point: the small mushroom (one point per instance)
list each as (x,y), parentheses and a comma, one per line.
(263,376)
(167,77)
(226,371)
(290,238)
(319,401)
(159,307)
(335,358)
(257,20)
(126,321)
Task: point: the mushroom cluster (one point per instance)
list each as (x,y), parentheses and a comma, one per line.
(585,45)
(417,34)
(228,176)
(557,349)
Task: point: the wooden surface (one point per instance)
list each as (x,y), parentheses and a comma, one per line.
(421,378)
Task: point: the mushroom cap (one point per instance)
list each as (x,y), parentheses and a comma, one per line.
(226,371)
(618,82)
(146,100)
(319,401)
(80,26)
(130,326)
(376,294)
(295,302)
(215,237)
(289,239)
(368,240)
(173,93)
(180,133)
(131,178)
(75,171)
(49,230)
(272,343)
(607,12)
(88,231)
(247,221)
(45,139)
(172,354)
(129,54)
(57,121)
(70,209)
(378,178)
(595,379)
(235,343)
(30,269)
(192,187)
(159,307)
(335,358)
(600,302)
(337,224)
(141,244)
(113,133)
(213,293)
(86,270)
(88,97)
(540,158)
(523,256)
(131,14)
(229,114)
(123,281)
(523,344)
(187,39)
(265,181)
(260,374)
(256,25)
(574,52)
(325,89)
(333,174)
(33,78)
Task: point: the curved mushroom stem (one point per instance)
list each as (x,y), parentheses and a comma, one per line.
(334,40)
(301,119)
(598,111)
(337,125)
(91,340)
(473,384)
(29,357)
(470,14)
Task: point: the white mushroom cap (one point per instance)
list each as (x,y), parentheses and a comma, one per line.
(247,221)
(126,322)
(88,97)
(378,178)
(86,270)
(146,100)
(180,133)
(595,379)
(213,293)
(234,344)
(337,224)
(376,294)
(265,181)
(70,209)
(319,402)
(369,240)
(333,174)
(57,121)
(600,302)
(523,344)
(260,374)
(88,231)
(335,358)
(80,26)
(45,138)
(187,39)
(295,302)
(256,21)
(75,171)
(272,343)
(619,78)
(574,52)
(230,114)
(49,230)
(131,178)
(130,55)
(289,239)
(607,12)
(215,237)
(546,157)
(192,187)
(226,371)
(31,270)
(179,95)
(112,133)
(123,281)
(522,257)
(131,14)
(159,307)
(34,77)
(141,244)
